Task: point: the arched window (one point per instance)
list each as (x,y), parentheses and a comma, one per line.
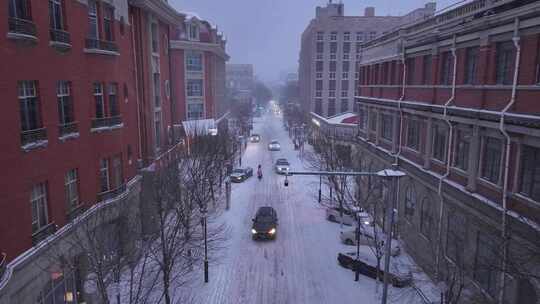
(426,217)
(410,203)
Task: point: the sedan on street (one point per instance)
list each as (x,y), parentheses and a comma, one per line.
(274,146)
(282,166)
(367,238)
(255,138)
(264,224)
(241,174)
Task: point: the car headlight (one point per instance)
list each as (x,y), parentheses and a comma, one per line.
(253,231)
(366,223)
(272,231)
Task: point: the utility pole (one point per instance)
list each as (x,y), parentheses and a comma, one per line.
(391,203)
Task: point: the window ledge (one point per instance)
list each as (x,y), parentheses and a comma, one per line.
(69,136)
(459,171)
(34,145)
(61,46)
(526,199)
(489,184)
(101,52)
(107,128)
(22,37)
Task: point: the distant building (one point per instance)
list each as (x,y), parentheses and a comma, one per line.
(240,81)
(330,48)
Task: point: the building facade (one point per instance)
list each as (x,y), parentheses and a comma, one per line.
(240,81)
(452,103)
(92,106)
(330,49)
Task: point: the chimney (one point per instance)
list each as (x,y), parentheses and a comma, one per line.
(369,11)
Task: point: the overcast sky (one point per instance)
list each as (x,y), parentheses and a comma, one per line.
(267,33)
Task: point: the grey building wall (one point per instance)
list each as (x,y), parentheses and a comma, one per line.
(331,26)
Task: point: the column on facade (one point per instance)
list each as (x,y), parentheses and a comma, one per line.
(429,139)
(473,160)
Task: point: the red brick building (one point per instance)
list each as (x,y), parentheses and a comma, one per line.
(452,101)
(90,100)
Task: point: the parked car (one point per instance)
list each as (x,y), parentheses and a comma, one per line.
(350,262)
(241,174)
(255,138)
(367,238)
(265,223)
(274,146)
(334,214)
(282,166)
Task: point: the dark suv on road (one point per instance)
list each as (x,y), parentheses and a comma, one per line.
(264,224)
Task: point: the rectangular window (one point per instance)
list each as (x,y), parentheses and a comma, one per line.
(486,263)
(98,98)
(29,105)
(320,36)
(332,85)
(56,16)
(361,116)
(331,93)
(65,104)
(360,36)
(506,53)
(344,105)
(345,85)
(320,47)
(318,85)
(346,57)
(372,35)
(195,88)
(530,172)
(193,32)
(455,237)
(157,90)
(463,144)
(413,134)
(319,56)
(333,36)
(471,62)
(345,66)
(113,100)
(104,175)
(157,128)
(447,66)
(331,107)
(491,161)
(345,75)
(346,47)
(38,202)
(195,111)
(318,106)
(333,57)
(410,70)
(319,66)
(108,22)
(318,93)
(332,75)
(440,136)
(347,36)
(333,47)
(373,120)
(318,75)
(19,9)
(426,69)
(118,178)
(72,189)
(92,20)
(194,61)
(155,37)
(387,126)
(344,94)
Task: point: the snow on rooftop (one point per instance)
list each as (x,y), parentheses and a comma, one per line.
(347,118)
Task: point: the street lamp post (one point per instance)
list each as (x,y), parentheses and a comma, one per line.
(204,224)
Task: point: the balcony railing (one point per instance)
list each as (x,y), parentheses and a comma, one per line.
(60,36)
(22,26)
(68,128)
(43,233)
(111,193)
(35,135)
(106,122)
(95,44)
(76,212)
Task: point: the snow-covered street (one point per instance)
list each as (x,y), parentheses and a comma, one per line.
(300,266)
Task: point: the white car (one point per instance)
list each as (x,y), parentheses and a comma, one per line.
(282,166)
(367,238)
(334,214)
(274,146)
